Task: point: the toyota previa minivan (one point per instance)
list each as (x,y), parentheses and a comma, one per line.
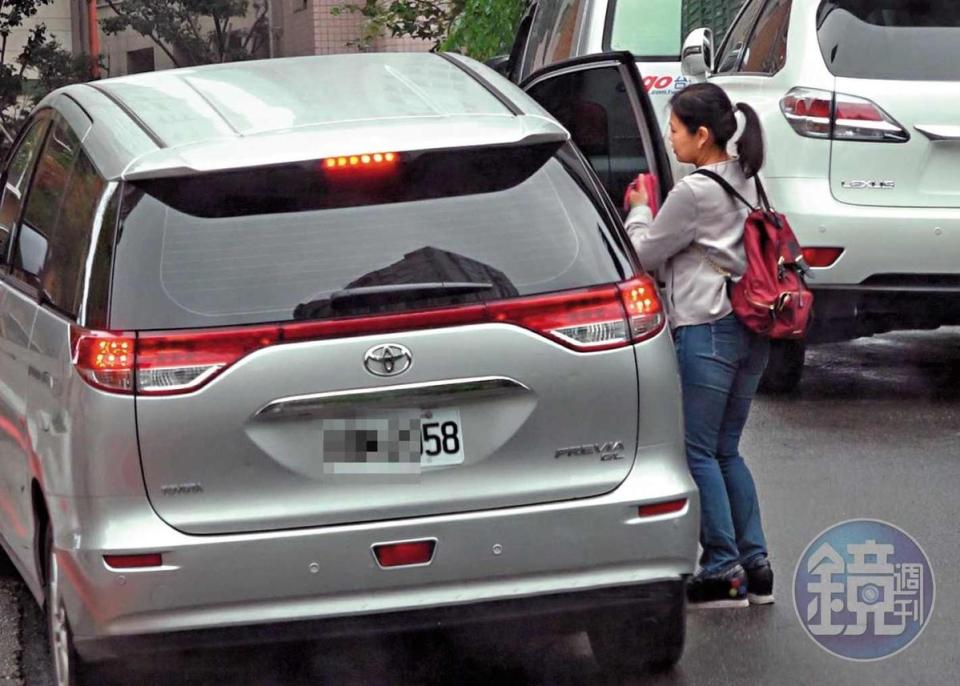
(332,344)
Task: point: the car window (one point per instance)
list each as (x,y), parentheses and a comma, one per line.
(21,162)
(890,39)
(552,34)
(44,201)
(732,48)
(767,50)
(69,243)
(561,42)
(519,45)
(543,19)
(592,105)
(268,245)
(648,29)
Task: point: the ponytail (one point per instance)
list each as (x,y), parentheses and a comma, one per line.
(706,104)
(750,145)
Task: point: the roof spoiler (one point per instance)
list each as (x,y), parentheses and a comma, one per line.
(320,142)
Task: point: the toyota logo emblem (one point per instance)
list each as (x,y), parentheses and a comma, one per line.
(387,360)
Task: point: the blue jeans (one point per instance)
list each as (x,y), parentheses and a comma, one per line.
(720,368)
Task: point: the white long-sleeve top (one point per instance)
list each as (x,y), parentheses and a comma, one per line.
(699,212)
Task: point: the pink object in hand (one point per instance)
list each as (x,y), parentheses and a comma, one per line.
(651,185)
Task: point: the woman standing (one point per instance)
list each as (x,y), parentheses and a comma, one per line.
(695,238)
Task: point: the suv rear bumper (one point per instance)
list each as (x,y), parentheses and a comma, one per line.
(844,313)
(322,577)
(899,268)
(563,612)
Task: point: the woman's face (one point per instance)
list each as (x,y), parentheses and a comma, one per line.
(688,147)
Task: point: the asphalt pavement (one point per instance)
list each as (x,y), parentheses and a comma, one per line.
(873,433)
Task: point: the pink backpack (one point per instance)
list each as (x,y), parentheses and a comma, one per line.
(771,298)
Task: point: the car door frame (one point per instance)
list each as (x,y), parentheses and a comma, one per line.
(14,288)
(637,96)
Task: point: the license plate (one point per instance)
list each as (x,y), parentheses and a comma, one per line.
(400,444)
(441,438)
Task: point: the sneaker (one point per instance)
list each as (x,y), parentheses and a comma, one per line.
(720,590)
(760,582)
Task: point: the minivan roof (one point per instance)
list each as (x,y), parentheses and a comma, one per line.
(242,114)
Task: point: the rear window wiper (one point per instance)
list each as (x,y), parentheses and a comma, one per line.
(401,292)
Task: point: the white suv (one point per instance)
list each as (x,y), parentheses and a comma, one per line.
(860,104)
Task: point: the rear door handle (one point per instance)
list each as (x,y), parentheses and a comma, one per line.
(939,132)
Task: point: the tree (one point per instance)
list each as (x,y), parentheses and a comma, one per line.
(485,28)
(42,66)
(181,28)
(480,28)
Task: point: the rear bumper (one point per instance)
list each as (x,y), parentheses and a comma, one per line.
(899,269)
(843,313)
(327,580)
(546,613)
(876,240)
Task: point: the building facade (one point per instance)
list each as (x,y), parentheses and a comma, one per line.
(61,21)
(297,27)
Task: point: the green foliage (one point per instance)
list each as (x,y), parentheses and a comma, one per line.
(193,32)
(485,28)
(42,66)
(479,28)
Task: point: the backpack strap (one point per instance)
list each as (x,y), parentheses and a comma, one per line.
(731,191)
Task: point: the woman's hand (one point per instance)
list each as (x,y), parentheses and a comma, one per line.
(637,197)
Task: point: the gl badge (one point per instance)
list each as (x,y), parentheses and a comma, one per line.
(387,360)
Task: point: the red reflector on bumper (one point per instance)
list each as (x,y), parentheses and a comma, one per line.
(134,561)
(662,508)
(404,554)
(821,257)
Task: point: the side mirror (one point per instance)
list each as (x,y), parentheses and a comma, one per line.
(696,57)
(500,64)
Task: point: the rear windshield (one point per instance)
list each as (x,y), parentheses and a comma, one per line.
(279,244)
(908,40)
(649,29)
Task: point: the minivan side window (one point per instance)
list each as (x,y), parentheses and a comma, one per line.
(62,276)
(41,216)
(767,50)
(17,177)
(733,44)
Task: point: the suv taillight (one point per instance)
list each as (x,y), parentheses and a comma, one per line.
(159,363)
(823,114)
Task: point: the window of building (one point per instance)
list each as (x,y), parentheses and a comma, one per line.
(139,61)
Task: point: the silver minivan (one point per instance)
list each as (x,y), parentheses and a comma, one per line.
(333,343)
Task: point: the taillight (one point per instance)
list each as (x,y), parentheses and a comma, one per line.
(821,257)
(644,311)
(105,360)
(808,111)
(166,363)
(824,114)
(584,320)
(589,320)
(179,363)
